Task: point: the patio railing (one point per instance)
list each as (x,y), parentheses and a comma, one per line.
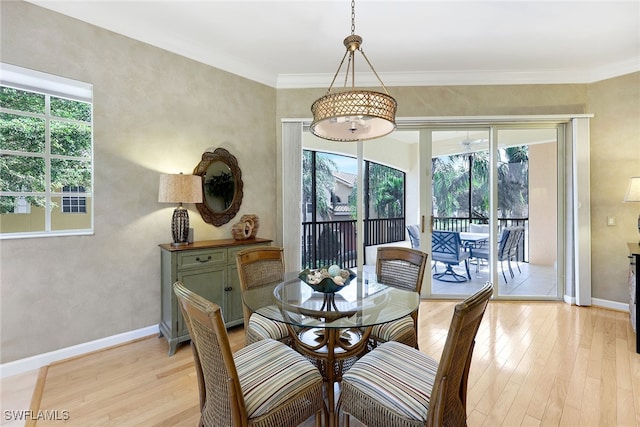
(334,242)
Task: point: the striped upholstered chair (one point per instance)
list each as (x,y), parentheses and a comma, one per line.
(396,385)
(263,384)
(262,266)
(401,268)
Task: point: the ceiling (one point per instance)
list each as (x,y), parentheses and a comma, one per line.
(293,44)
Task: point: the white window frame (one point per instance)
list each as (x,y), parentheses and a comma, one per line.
(50,85)
(71,202)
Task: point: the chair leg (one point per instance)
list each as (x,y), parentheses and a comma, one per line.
(449,272)
(466,264)
(510,269)
(503,275)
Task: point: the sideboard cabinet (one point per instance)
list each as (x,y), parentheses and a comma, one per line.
(208,268)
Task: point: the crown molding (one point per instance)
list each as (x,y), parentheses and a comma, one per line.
(470,77)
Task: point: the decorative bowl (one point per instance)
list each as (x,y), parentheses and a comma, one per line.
(326,285)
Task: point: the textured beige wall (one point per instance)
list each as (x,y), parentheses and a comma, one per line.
(615,157)
(155,112)
(543,205)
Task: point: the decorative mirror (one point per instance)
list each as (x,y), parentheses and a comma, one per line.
(221,186)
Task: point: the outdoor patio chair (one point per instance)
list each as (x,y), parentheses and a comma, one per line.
(447,248)
(261,266)
(401,268)
(510,239)
(263,384)
(395,385)
(480,228)
(414,235)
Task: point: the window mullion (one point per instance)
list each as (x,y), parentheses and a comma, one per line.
(47,163)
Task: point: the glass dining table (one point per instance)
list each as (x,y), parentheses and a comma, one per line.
(331,329)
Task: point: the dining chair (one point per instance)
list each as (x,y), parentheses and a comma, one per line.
(395,385)
(261,266)
(401,268)
(265,383)
(510,239)
(446,247)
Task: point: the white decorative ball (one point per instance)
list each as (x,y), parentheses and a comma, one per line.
(334,270)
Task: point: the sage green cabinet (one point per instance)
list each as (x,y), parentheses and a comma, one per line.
(208,268)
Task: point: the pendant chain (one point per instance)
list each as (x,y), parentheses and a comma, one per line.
(353,17)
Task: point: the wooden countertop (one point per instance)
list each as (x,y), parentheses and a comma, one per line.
(208,244)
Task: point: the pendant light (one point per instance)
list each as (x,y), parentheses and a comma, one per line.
(353,114)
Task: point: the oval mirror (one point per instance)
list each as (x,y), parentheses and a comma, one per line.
(221,186)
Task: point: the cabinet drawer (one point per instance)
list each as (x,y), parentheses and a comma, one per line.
(195,259)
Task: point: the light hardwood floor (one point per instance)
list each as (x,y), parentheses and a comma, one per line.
(534,364)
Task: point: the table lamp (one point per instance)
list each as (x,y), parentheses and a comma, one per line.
(179,188)
(633,194)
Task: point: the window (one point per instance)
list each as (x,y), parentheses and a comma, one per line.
(46,153)
(74,204)
(329,213)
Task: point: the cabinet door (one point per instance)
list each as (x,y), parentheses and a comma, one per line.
(233,298)
(208,283)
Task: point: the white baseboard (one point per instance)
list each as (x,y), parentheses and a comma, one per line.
(36,362)
(614,305)
(597,302)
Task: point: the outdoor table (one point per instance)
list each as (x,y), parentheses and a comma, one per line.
(332,328)
(473,239)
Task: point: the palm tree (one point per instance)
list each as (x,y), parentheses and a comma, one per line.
(451,183)
(389,196)
(480,184)
(325,168)
(513,182)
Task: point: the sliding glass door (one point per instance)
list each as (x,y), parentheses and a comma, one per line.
(499,184)
(528,213)
(460,205)
(494,195)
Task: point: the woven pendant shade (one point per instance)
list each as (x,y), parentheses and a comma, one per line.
(355,115)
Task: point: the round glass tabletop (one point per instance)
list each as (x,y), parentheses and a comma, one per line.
(363,302)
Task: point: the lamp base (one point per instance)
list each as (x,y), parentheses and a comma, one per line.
(180,243)
(180,226)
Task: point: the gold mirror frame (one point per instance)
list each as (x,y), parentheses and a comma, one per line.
(209,159)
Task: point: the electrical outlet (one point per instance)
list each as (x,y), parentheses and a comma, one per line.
(611,220)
